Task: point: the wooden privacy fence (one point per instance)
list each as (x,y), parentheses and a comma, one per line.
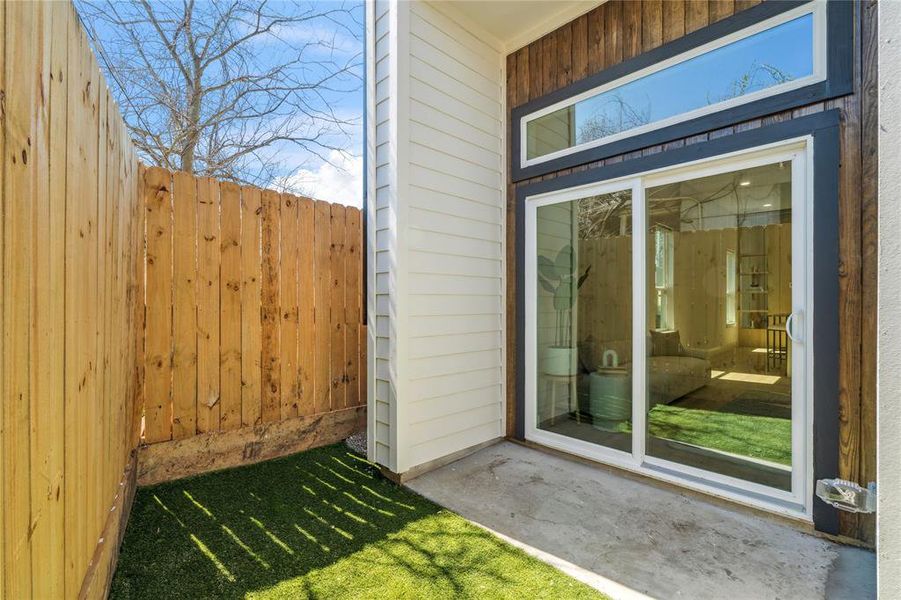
(253,307)
(70,293)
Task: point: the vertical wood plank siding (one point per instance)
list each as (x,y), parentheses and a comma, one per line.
(267,287)
(618,30)
(71,304)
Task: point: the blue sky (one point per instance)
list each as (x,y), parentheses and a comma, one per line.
(340,179)
(328,174)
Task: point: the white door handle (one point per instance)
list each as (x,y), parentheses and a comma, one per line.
(788,326)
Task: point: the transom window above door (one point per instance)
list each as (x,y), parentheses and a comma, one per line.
(763,60)
(772,57)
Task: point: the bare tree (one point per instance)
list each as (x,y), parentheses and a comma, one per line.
(221,88)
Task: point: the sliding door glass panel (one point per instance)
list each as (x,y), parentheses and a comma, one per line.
(767,60)
(584,319)
(719,294)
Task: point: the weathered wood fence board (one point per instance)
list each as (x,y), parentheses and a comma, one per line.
(251,290)
(71,300)
(255,296)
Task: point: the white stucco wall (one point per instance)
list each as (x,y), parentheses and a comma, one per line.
(437,206)
(888,515)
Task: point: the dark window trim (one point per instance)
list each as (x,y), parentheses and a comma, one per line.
(838,82)
(824,127)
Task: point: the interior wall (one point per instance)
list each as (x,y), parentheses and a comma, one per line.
(618,30)
(699,284)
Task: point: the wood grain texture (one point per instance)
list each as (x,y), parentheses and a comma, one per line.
(230,306)
(613,33)
(869,127)
(3,378)
(353,284)
(47,402)
(579,48)
(130,310)
(651,24)
(251,297)
(619,30)
(290,384)
(631,29)
(184,307)
(697,15)
(208,261)
(158,325)
(18,219)
(322,298)
(673,20)
(202,453)
(73,218)
(596,43)
(720,9)
(276,302)
(270,310)
(337,325)
(306,323)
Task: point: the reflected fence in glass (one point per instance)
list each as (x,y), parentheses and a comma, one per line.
(584,319)
(719,361)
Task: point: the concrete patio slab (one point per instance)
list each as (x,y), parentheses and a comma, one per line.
(632,538)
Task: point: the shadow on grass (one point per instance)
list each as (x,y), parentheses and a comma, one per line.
(323,523)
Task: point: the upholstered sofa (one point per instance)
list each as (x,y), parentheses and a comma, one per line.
(673,370)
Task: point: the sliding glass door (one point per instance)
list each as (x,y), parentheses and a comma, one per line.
(584,318)
(665,320)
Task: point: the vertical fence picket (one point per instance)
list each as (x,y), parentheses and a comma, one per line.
(289,307)
(270,308)
(336,307)
(184,308)
(208,407)
(305,276)
(251,287)
(322,297)
(352,284)
(17,181)
(158,326)
(230,298)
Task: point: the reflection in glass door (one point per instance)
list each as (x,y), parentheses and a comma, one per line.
(663,324)
(584,318)
(718,353)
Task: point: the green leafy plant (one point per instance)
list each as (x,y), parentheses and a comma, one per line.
(560,278)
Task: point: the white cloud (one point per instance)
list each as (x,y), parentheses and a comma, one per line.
(340,180)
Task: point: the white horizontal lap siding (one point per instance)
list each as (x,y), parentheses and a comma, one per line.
(454,248)
(382,240)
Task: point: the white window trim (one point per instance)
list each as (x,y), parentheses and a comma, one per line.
(817,8)
(669,321)
(732,291)
(797,503)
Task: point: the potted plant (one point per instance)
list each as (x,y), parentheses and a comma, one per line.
(559,278)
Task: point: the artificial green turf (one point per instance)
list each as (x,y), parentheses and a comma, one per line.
(767,438)
(320,524)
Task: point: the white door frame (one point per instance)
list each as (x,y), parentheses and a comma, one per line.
(796,503)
